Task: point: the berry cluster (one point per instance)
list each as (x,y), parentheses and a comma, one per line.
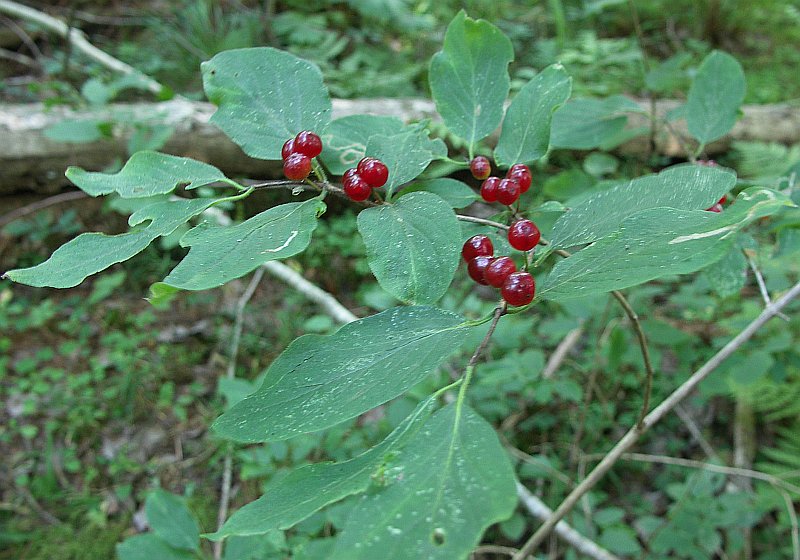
(358,182)
(517,288)
(505,191)
(297,153)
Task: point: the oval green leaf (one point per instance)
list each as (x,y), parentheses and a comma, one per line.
(171,520)
(717,91)
(585,124)
(453,192)
(469,77)
(526,127)
(413,246)
(319,381)
(345,141)
(445,487)
(265,96)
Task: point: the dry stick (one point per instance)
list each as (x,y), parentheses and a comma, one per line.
(580,543)
(494,549)
(227,470)
(695,432)
(561,351)
(39,205)
(630,438)
(77,39)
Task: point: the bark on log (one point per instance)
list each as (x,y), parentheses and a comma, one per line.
(31,161)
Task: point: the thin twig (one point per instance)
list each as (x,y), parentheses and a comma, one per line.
(538,509)
(77,39)
(694,430)
(795,527)
(630,438)
(227,470)
(482,221)
(494,549)
(39,205)
(762,286)
(26,40)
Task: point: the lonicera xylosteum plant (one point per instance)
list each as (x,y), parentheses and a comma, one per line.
(435,484)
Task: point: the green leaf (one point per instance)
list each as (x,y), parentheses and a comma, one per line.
(265,96)
(413,246)
(90,253)
(715,96)
(455,193)
(585,124)
(447,485)
(319,381)
(345,141)
(150,547)
(689,187)
(77,132)
(146,174)
(657,242)
(469,77)
(620,540)
(727,275)
(526,128)
(171,520)
(406,155)
(294,497)
(218,254)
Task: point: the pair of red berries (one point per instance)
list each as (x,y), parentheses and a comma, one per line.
(505,191)
(358,182)
(297,153)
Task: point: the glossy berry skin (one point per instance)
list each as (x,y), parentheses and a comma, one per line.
(523,235)
(723,200)
(373,171)
(355,187)
(523,177)
(480,167)
(518,167)
(308,144)
(477,267)
(477,246)
(716,208)
(489,189)
(288,149)
(498,270)
(518,289)
(297,167)
(507,192)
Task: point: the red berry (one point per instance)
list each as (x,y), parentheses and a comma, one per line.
(507,192)
(288,148)
(297,167)
(480,167)
(723,200)
(477,246)
(523,177)
(489,189)
(373,171)
(498,270)
(518,289)
(476,268)
(308,144)
(518,167)
(355,187)
(716,208)
(523,235)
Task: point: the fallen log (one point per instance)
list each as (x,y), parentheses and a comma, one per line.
(29,160)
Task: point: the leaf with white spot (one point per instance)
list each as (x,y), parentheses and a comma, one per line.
(440,493)
(320,381)
(413,246)
(345,140)
(657,242)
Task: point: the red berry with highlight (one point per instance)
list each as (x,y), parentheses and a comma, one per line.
(288,149)
(523,177)
(373,171)
(297,167)
(489,189)
(355,187)
(723,200)
(480,167)
(523,235)
(477,246)
(498,270)
(477,267)
(518,289)
(507,192)
(308,144)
